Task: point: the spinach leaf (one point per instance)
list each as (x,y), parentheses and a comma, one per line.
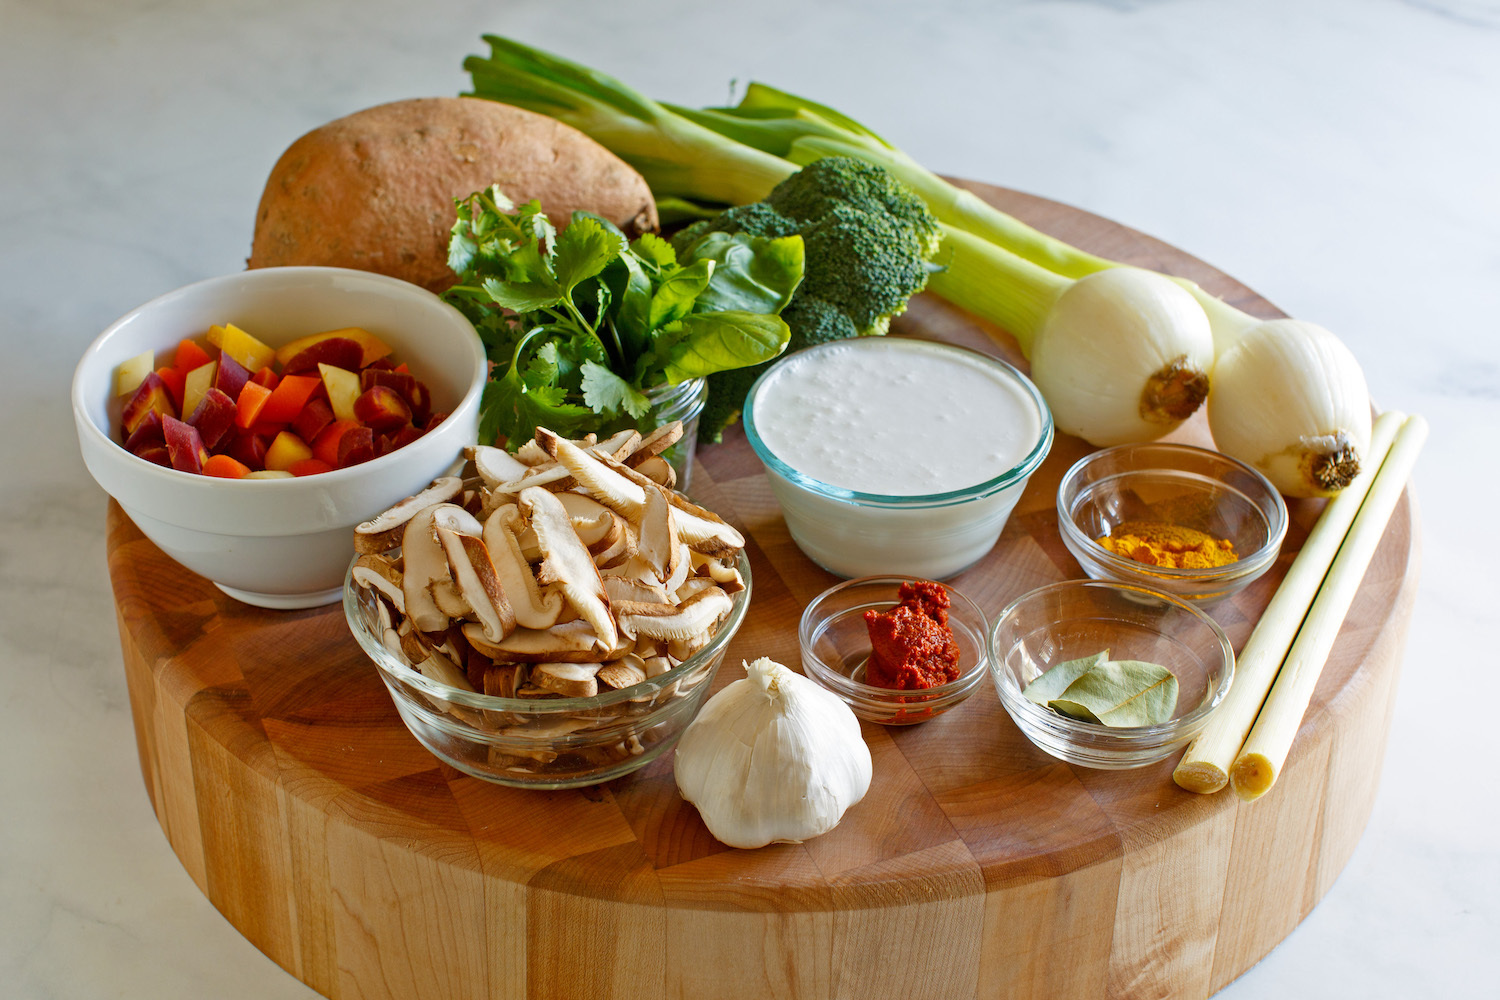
(751,273)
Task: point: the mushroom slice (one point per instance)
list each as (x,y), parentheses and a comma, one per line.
(553,476)
(376,572)
(425,567)
(680,569)
(655,443)
(560,726)
(574,642)
(385,531)
(571,680)
(567,563)
(623,589)
(704,531)
(532,453)
(474,572)
(720,572)
(623,673)
(455,518)
(495,465)
(532,609)
(693,586)
(658,534)
(691,619)
(682,649)
(658,470)
(616,546)
(617,446)
(596,475)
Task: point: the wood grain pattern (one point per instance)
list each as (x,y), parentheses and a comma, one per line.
(976,867)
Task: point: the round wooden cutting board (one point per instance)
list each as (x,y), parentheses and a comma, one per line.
(976,866)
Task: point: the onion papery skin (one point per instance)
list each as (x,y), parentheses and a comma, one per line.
(1107,340)
(1290,399)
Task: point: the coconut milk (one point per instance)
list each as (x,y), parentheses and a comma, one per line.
(895,417)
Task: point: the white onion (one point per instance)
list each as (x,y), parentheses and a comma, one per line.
(1290,399)
(1122,356)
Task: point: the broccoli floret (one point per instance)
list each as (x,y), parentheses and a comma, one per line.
(868,242)
(843,181)
(816,321)
(863,263)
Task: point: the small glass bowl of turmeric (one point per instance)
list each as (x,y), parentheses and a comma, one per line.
(1182,520)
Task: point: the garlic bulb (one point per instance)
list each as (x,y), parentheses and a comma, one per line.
(1123,356)
(1289,398)
(772,758)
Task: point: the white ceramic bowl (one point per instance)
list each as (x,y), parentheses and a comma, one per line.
(928,535)
(280,543)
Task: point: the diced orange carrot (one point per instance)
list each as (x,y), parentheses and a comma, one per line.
(189,356)
(252,398)
(225,467)
(175,378)
(325,446)
(266,377)
(289,396)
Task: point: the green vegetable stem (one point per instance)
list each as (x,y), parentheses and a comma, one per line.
(580,324)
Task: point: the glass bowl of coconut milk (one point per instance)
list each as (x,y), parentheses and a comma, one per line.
(892,455)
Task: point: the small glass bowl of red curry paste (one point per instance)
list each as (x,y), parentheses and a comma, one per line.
(936,670)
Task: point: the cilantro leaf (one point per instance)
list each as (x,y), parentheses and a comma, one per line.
(583,250)
(654,250)
(607,392)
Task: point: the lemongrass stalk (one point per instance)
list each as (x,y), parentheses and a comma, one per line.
(674,155)
(1265,750)
(1204,768)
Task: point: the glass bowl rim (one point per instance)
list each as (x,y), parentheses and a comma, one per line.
(1015,474)
(962,683)
(1074,729)
(1250,563)
(396,669)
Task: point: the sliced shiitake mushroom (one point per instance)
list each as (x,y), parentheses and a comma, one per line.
(378,573)
(595,475)
(571,680)
(573,641)
(384,531)
(495,465)
(655,443)
(532,609)
(567,564)
(694,618)
(478,582)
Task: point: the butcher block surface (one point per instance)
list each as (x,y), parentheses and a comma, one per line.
(976,866)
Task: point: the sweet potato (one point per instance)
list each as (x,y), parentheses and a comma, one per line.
(375,190)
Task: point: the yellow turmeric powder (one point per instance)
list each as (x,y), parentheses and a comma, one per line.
(1157,543)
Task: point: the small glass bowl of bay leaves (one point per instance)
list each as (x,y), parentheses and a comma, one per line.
(1073,626)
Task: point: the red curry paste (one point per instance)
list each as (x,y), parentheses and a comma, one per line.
(912,646)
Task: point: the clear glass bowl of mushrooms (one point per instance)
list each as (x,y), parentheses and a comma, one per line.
(553,620)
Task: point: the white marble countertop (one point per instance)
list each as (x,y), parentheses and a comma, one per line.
(1340,158)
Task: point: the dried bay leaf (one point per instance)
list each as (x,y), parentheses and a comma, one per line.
(1120,693)
(1055,681)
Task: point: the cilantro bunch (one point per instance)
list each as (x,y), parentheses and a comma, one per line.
(580,325)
